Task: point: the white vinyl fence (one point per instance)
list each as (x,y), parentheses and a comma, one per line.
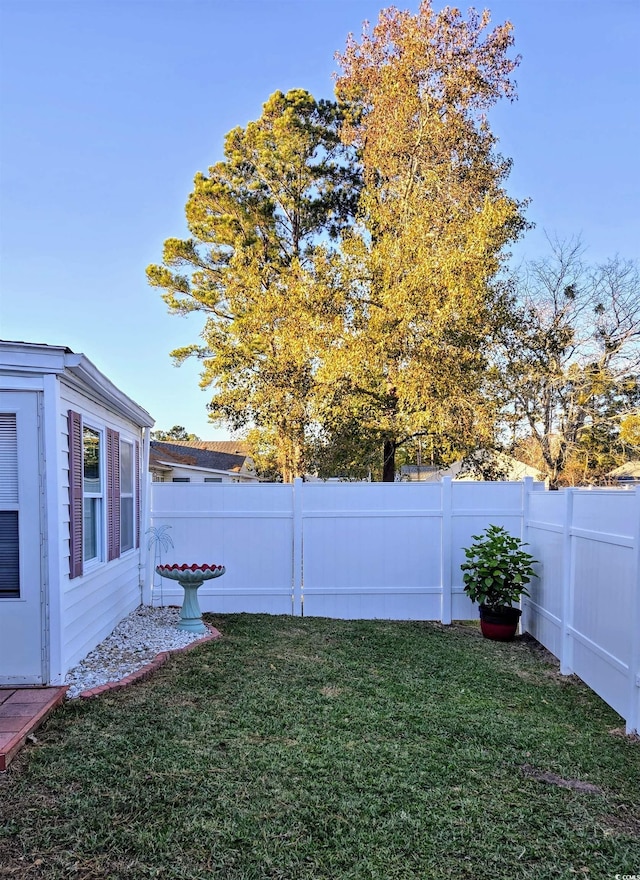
(585,606)
(394,550)
(350,550)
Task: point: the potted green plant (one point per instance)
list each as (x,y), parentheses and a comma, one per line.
(496,575)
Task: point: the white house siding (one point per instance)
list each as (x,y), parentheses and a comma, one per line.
(198,475)
(93,604)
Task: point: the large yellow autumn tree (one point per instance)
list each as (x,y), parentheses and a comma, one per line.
(421,267)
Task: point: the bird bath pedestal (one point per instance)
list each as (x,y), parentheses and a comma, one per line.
(190,577)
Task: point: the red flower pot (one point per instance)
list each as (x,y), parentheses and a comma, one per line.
(499,623)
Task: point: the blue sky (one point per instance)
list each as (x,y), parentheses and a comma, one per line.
(108,108)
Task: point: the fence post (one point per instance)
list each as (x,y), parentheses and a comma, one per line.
(527,489)
(297,601)
(446,550)
(566,639)
(633,713)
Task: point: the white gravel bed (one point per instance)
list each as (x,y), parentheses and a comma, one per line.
(134,643)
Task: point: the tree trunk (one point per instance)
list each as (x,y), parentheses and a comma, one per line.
(389,461)
(298,464)
(291,454)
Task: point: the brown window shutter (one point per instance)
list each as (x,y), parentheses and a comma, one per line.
(137,466)
(113,494)
(74,421)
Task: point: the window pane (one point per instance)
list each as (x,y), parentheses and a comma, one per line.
(91,523)
(91,457)
(126,496)
(126,523)
(9,555)
(126,468)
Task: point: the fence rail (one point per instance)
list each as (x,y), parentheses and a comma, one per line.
(378,550)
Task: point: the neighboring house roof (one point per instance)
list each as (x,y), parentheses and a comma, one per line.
(201,454)
(231,447)
(630,470)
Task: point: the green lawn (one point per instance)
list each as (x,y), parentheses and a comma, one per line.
(312,748)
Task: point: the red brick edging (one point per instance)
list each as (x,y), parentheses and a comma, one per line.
(140,674)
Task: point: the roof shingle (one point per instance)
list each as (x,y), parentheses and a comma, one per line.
(200,453)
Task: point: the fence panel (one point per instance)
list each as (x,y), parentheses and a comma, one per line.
(585,606)
(604,584)
(372,550)
(545,534)
(246,527)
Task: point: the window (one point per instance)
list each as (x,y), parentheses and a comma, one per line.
(126,496)
(213,479)
(181,480)
(104,490)
(92,495)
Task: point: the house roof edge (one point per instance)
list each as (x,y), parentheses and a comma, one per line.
(39,359)
(88,374)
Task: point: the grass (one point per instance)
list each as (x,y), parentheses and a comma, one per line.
(314,749)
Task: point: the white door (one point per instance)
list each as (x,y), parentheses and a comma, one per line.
(21,612)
